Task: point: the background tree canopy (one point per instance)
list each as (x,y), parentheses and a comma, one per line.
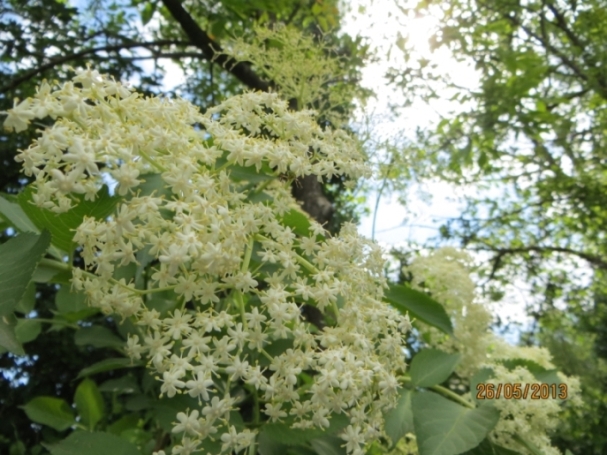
(532,132)
(532,135)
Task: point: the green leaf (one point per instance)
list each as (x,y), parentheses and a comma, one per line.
(51,411)
(28,300)
(147,12)
(420,306)
(248,173)
(67,301)
(8,339)
(97,443)
(431,367)
(443,427)
(329,445)
(297,221)
(399,421)
(107,365)
(268,446)
(98,337)
(89,403)
(488,448)
(15,215)
(47,274)
(126,422)
(18,259)
(284,434)
(480,377)
(62,226)
(152,184)
(27,330)
(125,384)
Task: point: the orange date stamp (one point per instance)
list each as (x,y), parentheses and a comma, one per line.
(518,391)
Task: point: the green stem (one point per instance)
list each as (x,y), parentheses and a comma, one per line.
(452,396)
(247,255)
(53,264)
(262,186)
(303,261)
(150,160)
(57,322)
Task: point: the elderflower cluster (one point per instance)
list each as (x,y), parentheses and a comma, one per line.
(445,274)
(287,315)
(531,419)
(303,68)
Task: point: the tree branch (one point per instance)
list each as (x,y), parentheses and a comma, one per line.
(212,51)
(590,258)
(67,58)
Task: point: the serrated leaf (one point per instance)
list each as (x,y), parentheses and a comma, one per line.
(51,411)
(399,421)
(92,443)
(443,427)
(62,226)
(15,215)
(98,337)
(18,259)
(89,403)
(431,367)
(8,339)
(420,306)
(28,299)
(107,365)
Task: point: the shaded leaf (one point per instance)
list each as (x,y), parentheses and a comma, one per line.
(284,434)
(431,367)
(420,306)
(18,259)
(8,339)
(488,448)
(89,403)
(27,330)
(15,215)
(62,226)
(329,445)
(51,411)
(125,384)
(107,365)
(443,427)
(89,443)
(399,421)
(97,336)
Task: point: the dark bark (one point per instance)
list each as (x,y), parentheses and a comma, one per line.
(308,190)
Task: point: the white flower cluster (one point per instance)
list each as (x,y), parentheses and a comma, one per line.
(446,274)
(531,419)
(241,278)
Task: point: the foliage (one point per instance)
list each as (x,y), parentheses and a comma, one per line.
(530,137)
